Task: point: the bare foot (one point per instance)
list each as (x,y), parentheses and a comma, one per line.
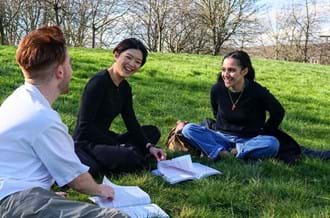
(179,126)
(224,154)
(62,194)
(233,151)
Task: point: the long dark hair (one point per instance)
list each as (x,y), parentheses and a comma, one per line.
(243,60)
(132,43)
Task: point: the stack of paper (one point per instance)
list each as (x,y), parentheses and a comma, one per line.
(181,169)
(131,200)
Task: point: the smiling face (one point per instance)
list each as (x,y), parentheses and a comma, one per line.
(233,74)
(127,62)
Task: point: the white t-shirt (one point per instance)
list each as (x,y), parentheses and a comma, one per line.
(35,146)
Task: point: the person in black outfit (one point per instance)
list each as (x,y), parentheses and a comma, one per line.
(107,95)
(239,105)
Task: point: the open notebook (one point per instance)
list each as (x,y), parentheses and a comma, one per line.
(131,200)
(181,169)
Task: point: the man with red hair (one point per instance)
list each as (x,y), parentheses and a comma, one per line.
(35,146)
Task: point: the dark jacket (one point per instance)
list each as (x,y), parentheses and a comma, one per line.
(289,151)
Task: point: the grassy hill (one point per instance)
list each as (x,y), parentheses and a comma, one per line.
(172,87)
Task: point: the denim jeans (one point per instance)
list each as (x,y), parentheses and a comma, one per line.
(212,142)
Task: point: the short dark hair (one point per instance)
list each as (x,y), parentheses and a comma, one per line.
(132,43)
(243,60)
(40,49)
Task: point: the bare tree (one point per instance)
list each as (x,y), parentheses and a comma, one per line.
(223,18)
(151,16)
(295,30)
(57,6)
(306,21)
(272,38)
(193,26)
(54,11)
(9,10)
(77,15)
(179,33)
(31,16)
(103,15)
(247,34)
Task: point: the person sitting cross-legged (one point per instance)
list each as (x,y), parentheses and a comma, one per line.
(239,105)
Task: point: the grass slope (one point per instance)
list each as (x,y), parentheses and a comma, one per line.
(172,87)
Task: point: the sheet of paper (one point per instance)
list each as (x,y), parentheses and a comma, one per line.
(124,196)
(202,171)
(174,177)
(132,200)
(182,163)
(181,168)
(177,169)
(149,210)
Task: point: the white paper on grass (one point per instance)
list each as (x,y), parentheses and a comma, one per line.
(126,195)
(131,200)
(181,169)
(145,211)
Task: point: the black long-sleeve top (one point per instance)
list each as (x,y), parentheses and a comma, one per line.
(249,117)
(101,102)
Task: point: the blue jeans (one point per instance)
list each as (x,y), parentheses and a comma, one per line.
(212,142)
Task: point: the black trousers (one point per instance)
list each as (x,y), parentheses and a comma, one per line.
(126,156)
(322,154)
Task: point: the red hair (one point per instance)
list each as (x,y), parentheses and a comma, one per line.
(41,49)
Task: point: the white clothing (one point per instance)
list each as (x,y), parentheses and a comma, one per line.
(35,146)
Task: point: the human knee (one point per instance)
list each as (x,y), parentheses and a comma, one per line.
(152,133)
(189,129)
(134,161)
(155,134)
(273,145)
(114,213)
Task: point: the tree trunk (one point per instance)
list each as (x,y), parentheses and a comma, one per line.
(56,9)
(306,46)
(216,50)
(160,40)
(308,21)
(2,32)
(93,35)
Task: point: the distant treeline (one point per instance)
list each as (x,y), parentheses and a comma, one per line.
(190,26)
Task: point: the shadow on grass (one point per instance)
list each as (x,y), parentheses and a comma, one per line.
(152,72)
(307,117)
(306,100)
(195,73)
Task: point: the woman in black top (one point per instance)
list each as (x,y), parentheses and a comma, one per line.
(239,105)
(107,95)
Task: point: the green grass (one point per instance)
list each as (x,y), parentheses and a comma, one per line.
(172,87)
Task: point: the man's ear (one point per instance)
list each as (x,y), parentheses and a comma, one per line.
(59,72)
